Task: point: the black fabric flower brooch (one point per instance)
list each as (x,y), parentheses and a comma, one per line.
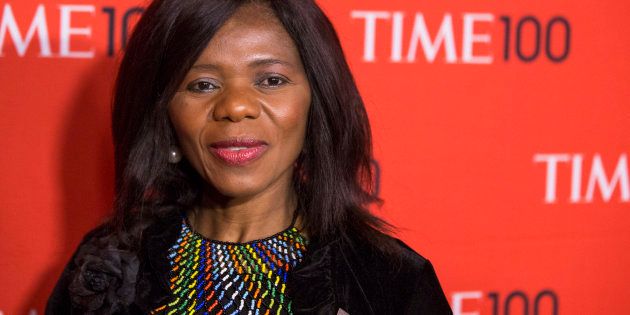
(104,281)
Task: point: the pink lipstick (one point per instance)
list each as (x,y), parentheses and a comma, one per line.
(238,152)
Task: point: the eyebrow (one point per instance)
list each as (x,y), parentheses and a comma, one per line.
(268,62)
(253,64)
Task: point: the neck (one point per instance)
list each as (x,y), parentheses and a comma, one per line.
(245,219)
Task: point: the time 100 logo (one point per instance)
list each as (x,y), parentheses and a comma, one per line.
(527,38)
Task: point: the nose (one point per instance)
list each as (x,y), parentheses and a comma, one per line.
(236,104)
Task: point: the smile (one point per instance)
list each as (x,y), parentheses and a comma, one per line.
(238,152)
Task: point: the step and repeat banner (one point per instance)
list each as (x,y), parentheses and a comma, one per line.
(501,135)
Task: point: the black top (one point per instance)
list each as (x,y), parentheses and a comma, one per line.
(342,275)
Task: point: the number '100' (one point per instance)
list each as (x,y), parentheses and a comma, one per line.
(558,22)
(517,299)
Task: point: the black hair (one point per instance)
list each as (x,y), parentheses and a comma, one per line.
(334,180)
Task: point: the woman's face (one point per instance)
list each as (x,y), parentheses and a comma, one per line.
(240,113)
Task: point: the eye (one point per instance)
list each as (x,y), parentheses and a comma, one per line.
(201,86)
(273,81)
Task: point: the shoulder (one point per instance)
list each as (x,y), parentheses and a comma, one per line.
(388,254)
(99,277)
(395,277)
(117,272)
(60,301)
(419,274)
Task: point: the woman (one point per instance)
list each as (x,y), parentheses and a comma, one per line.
(243,176)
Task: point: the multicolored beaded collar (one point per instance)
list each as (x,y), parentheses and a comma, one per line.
(223,278)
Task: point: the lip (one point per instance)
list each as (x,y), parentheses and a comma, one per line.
(251,150)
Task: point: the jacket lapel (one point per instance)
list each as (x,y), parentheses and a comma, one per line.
(310,285)
(330,280)
(154,283)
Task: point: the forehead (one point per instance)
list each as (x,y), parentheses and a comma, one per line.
(253,31)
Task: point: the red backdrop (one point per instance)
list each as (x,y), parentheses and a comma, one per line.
(514,114)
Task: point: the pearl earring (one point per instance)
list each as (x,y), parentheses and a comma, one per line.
(174,155)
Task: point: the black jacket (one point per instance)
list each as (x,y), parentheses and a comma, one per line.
(342,275)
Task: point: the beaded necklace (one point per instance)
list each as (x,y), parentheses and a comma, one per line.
(225,278)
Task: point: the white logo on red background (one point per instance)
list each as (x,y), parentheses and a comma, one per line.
(420,36)
(38,30)
(525,38)
(606,180)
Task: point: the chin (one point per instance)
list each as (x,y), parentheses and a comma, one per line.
(246,184)
(237,192)
(236,189)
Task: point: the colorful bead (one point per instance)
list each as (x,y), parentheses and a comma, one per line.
(220,278)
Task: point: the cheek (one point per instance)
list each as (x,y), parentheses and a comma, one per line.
(187,119)
(295,116)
